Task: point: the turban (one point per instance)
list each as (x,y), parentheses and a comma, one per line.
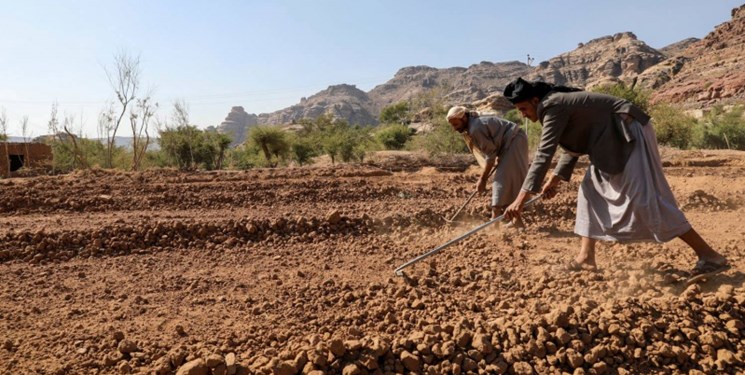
(520,90)
(457,111)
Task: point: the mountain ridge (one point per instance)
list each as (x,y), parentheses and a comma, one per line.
(615,58)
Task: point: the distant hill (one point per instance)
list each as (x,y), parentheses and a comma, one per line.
(677,48)
(342,101)
(612,58)
(699,72)
(711,70)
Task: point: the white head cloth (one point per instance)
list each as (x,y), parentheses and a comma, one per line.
(457,111)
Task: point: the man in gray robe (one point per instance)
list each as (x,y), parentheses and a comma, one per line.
(500,144)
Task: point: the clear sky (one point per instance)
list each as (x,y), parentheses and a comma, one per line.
(266,55)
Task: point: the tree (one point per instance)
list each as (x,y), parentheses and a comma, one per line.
(221,142)
(722,129)
(395,114)
(272,140)
(672,127)
(302,150)
(125,81)
(139,120)
(393,137)
(66,142)
(188,147)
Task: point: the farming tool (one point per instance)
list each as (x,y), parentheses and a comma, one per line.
(399,271)
(452,218)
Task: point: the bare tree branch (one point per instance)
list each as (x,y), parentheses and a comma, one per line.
(125,81)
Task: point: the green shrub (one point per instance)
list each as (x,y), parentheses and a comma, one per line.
(398,113)
(721,129)
(393,137)
(92,153)
(302,150)
(273,142)
(672,126)
(336,138)
(638,96)
(442,140)
(188,148)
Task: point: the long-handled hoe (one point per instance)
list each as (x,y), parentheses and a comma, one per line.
(399,271)
(452,218)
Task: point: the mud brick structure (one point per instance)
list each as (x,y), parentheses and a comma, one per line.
(13,156)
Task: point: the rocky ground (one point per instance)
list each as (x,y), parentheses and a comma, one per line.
(291,271)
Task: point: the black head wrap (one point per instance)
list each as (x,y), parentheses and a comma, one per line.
(521,90)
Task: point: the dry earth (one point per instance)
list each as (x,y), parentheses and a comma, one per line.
(291,271)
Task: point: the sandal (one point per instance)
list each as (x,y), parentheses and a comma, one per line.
(704,267)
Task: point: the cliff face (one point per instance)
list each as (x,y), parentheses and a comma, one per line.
(341,101)
(457,85)
(619,57)
(713,69)
(237,123)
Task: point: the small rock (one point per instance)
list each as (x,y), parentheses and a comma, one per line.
(726,356)
(180,330)
(351,369)
(334,217)
(563,336)
(337,347)
(230,359)
(613,329)
(522,368)
(162,366)
(575,359)
(127,346)
(124,368)
(214,360)
(284,368)
(410,361)
(417,304)
(482,343)
(195,367)
(220,369)
(118,335)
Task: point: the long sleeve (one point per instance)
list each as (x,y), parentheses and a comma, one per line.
(565,166)
(555,119)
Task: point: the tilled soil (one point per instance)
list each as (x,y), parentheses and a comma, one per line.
(291,271)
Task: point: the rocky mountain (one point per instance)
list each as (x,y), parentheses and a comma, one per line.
(459,85)
(613,58)
(341,101)
(677,48)
(711,70)
(237,123)
(705,72)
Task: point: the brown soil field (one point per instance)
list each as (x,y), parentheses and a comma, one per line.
(288,271)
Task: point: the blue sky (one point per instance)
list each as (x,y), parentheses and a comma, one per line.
(266,55)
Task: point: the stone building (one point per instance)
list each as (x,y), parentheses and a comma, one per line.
(13,156)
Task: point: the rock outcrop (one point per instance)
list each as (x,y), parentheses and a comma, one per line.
(677,48)
(237,123)
(341,101)
(457,85)
(714,69)
(619,57)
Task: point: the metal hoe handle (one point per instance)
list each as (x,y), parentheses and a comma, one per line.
(436,250)
(469,199)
